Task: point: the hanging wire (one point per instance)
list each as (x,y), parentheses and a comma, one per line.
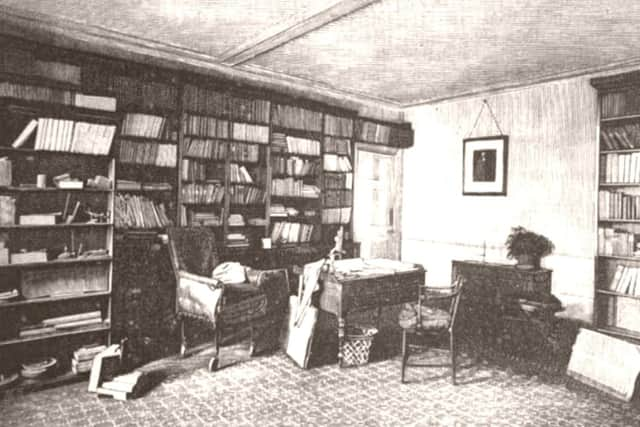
(493,116)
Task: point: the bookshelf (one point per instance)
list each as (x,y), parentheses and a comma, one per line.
(57,176)
(617,290)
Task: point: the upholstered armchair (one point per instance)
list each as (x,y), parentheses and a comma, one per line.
(259,302)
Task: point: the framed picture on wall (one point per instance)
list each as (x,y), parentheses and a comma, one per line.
(484,165)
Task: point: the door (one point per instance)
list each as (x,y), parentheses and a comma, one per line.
(377,201)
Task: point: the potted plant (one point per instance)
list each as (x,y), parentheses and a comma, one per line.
(527,247)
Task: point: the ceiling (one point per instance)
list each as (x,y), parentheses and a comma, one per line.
(398,52)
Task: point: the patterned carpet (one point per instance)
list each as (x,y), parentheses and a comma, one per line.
(271,391)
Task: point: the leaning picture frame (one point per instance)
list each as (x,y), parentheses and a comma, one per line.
(484,165)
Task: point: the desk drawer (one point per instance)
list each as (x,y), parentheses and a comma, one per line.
(384,291)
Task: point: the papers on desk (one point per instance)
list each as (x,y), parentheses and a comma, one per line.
(370,267)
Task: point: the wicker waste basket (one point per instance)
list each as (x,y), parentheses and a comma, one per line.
(357,345)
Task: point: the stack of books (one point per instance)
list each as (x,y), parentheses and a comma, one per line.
(82,359)
(123,387)
(7,296)
(236,240)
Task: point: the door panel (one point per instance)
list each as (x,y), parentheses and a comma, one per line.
(377,201)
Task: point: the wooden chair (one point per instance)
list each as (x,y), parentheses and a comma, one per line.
(261,301)
(433,315)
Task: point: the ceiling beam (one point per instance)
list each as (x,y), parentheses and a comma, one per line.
(291,29)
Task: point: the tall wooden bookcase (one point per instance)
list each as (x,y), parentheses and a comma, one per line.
(617,290)
(56,215)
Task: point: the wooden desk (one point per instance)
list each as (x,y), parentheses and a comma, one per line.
(357,285)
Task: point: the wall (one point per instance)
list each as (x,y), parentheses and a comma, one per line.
(552,181)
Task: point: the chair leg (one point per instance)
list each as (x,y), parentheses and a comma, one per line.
(405,355)
(452,348)
(183,338)
(213,362)
(252,344)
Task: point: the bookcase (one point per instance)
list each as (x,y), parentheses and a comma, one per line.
(617,290)
(56,216)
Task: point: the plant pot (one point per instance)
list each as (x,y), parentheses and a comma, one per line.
(527,262)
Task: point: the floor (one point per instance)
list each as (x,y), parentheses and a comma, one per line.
(271,391)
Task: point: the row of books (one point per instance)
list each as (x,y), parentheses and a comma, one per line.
(294,188)
(250,133)
(278,210)
(131,91)
(82,358)
(62,323)
(293,166)
(202,219)
(338,181)
(7,210)
(336,163)
(620,168)
(618,205)
(620,137)
(337,145)
(194,170)
(206,126)
(144,125)
(214,149)
(148,153)
(239,152)
(336,215)
(338,126)
(616,242)
(130,185)
(202,193)
(239,174)
(135,211)
(67,136)
(291,144)
(23,62)
(292,232)
(337,198)
(209,101)
(373,132)
(242,194)
(626,280)
(615,104)
(56,281)
(297,118)
(236,240)
(56,96)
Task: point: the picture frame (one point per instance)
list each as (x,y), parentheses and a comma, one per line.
(484,165)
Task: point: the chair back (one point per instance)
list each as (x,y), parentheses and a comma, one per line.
(193,249)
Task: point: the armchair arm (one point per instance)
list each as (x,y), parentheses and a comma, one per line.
(199,296)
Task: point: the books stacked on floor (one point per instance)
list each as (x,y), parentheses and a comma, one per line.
(239,174)
(251,133)
(148,153)
(39,368)
(336,216)
(244,195)
(202,193)
(135,211)
(237,240)
(336,163)
(339,126)
(297,118)
(236,220)
(144,125)
(204,148)
(8,296)
(68,136)
(206,126)
(309,147)
(123,387)
(205,219)
(82,359)
(292,232)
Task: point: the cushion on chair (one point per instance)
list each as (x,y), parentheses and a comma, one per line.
(432,318)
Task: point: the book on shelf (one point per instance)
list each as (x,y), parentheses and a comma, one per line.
(143,125)
(626,280)
(236,240)
(243,194)
(6,296)
(28,257)
(39,219)
(202,193)
(73,137)
(336,145)
(59,71)
(136,211)
(293,166)
(205,126)
(616,242)
(338,126)
(250,133)
(35,93)
(25,134)
(292,232)
(7,210)
(35,330)
(239,174)
(148,153)
(214,149)
(336,163)
(126,184)
(95,102)
(336,215)
(235,220)
(72,318)
(297,118)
